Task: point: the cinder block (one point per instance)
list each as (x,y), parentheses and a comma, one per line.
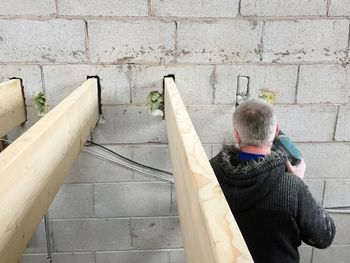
(203,42)
(42,41)
(102,8)
(326,160)
(323,84)
(337,192)
(37,244)
(32,118)
(213,124)
(133,41)
(281,79)
(173,209)
(91,234)
(339,254)
(133,257)
(30,76)
(22,8)
(131,124)
(89,168)
(156,156)
(305,40)
(343,124)
(283,8)
(342,224)
(216,148)
(195,83)
(83,257)
(207,149)
(177,256)
(132,199)
(339,8)
(193,8)
(72,201)
(158,232)
(61,80)
(316,187)
(305,254)
(307,123)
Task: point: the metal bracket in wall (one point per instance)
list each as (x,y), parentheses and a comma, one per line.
(98,91)
(242,89)
(163,90)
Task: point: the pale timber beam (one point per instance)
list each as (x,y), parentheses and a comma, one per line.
(33,167)
(209,231)
(12,106)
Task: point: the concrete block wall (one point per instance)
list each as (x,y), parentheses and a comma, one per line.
(104,213)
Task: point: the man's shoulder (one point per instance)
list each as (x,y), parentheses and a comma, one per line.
(284,196)
(289,187)
(291,181)
(292,178)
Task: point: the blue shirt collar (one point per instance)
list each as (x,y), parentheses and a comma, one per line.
(244,156)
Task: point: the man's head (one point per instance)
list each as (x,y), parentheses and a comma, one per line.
(255,123)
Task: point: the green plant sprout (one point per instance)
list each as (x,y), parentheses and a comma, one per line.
(268,95)
(155,103)
(40,103)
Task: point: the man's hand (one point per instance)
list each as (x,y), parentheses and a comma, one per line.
(298,170)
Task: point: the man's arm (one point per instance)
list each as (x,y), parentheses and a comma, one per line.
(316,226)
(298,170)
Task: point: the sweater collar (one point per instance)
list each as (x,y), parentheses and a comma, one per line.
(248,182)
(234,167)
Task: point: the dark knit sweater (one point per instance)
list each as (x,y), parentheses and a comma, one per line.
(274,210)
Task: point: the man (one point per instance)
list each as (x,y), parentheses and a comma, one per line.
(273,207)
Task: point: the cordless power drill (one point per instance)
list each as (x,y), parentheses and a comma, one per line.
(282,141)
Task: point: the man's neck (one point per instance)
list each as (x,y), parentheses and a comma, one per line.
(264,150)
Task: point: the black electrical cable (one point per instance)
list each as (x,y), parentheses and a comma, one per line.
(127,159)
(117,154)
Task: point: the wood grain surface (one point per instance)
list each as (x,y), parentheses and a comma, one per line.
(33,167)
(209,230)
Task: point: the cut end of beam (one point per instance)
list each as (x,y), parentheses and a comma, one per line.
(99,98)
(12,105)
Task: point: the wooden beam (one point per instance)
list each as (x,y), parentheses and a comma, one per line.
(12,106)
(210,233)
(33,167)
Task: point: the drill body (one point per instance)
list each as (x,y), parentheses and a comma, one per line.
(284,143)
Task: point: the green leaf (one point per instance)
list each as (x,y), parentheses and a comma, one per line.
(40,103)
(155,101)
(268,95)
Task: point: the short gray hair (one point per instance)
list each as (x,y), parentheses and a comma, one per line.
(255,122)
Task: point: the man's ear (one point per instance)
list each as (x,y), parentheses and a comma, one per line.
(236,134)
(277,129)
